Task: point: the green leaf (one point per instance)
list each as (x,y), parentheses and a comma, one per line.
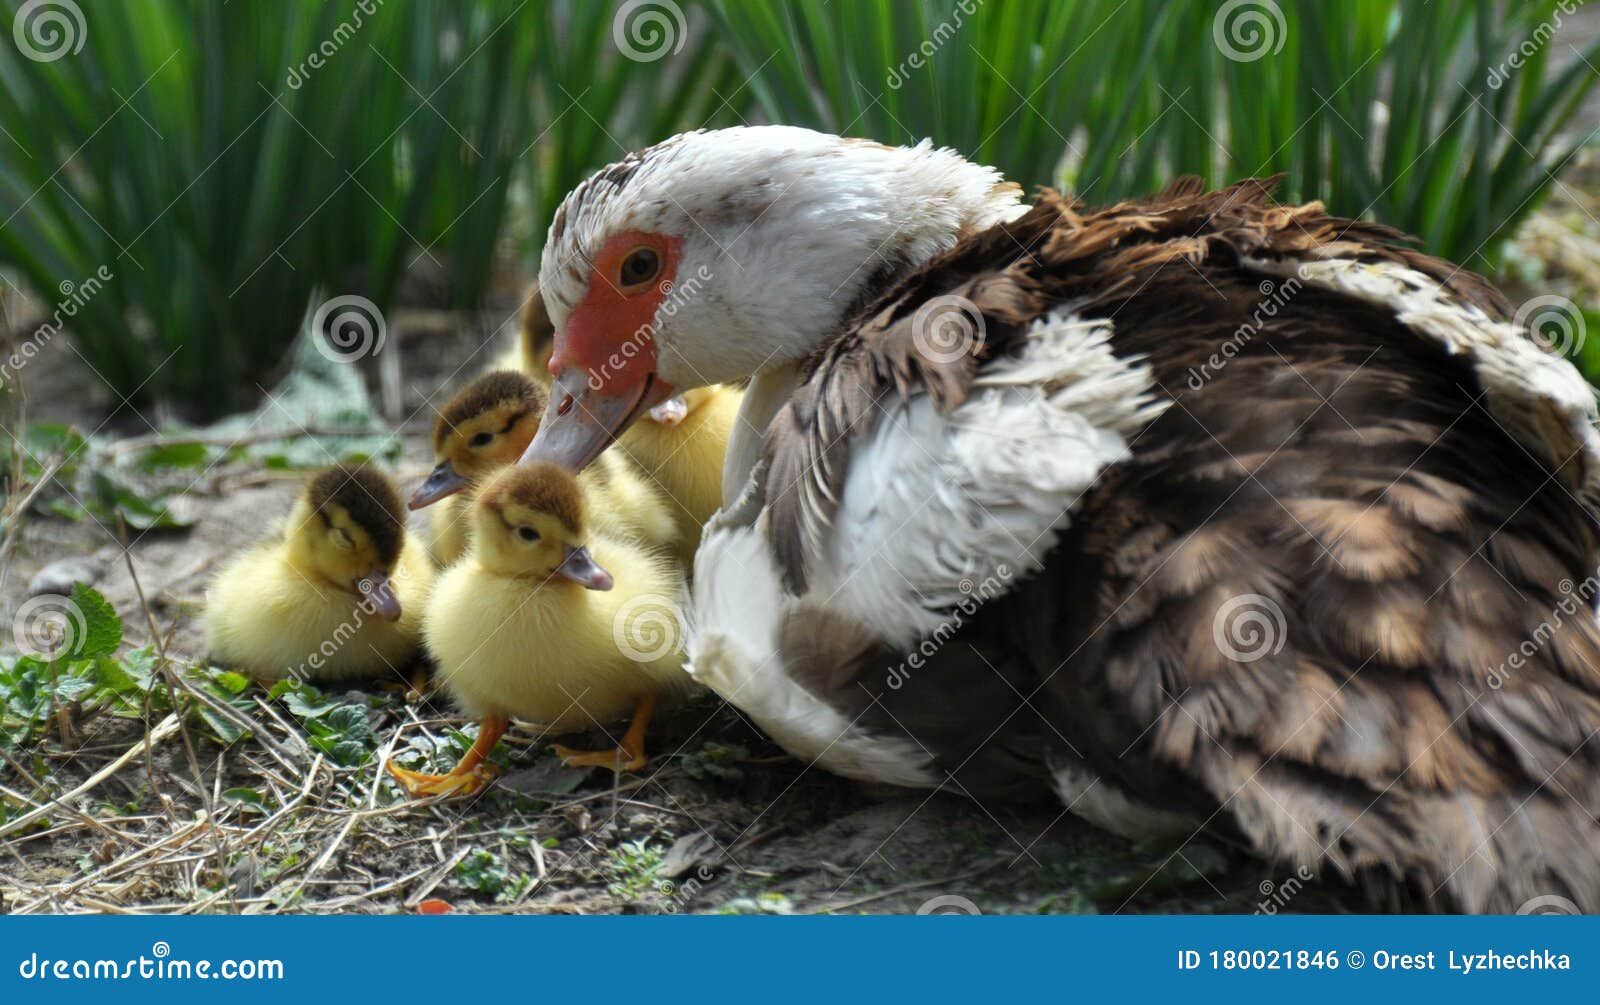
(175,455)
(307,702)
(246,798)
(224,729)
(113,677)
(140,665)
(72,686)
(230,681)
(102,628)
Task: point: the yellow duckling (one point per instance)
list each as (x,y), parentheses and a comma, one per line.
(339,593)
(682,451)
(486,426)
(681,446)
(533,623)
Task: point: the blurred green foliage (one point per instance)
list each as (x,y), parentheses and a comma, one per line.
(199,171)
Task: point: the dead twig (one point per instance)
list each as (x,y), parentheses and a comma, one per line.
(166,728)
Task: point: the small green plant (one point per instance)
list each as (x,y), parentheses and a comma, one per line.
(70,669)
(716,762)
(339,729)
(485,872)
(69,665)
(634,867)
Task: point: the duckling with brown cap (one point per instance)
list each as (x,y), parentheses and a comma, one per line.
(485,427)
(338,593)
(534,623)
(680,444)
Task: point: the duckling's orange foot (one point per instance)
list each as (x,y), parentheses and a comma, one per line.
(456,783)
(619,759)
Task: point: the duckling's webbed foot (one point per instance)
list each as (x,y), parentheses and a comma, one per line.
(619,760)
(455,783)
(628,755)
(469,777)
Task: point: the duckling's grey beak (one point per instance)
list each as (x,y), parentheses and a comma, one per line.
(378,595)
(581,568)
(442,481)
(581,422)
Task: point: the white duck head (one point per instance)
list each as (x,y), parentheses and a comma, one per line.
(725,254)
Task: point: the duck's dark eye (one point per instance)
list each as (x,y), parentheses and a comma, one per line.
(528,534)
(641,266)
(481,440)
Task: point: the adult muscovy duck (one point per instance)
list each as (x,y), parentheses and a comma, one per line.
(1207,512)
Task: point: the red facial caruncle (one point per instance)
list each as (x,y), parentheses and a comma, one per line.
(604,361)
(610,333)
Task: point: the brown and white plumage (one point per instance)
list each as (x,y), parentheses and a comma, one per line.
(1232,516)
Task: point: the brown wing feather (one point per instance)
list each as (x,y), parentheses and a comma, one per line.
(1400,553)
(1429,710)
(1013,273)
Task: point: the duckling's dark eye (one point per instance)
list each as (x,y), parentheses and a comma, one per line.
(481,440)
(641,266)
(528,534)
